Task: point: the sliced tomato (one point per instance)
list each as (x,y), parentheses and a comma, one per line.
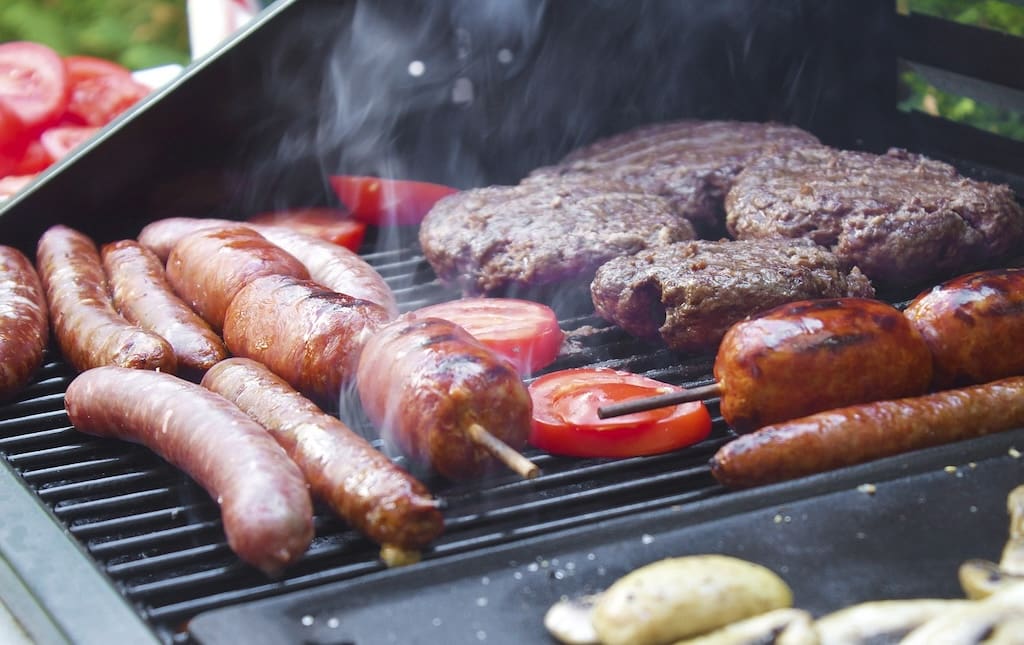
(387,202)
(565,420)
(81,68)
(14,139)
(527,333)
(34,159)
(328,224)
(33,83)
(12,184)
(97,100)
(59,141)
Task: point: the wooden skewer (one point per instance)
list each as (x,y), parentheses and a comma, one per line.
(659,401)
(508,456)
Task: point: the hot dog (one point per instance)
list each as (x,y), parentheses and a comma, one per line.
(265,506)
(358,482)
(143,296)
(428,385)
(88,329)
(973,325)
(308,335)
(864,432)
(209,267)
(24,325)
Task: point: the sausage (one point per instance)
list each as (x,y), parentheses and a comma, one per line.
(143,296)
(264,503)
(814,355)
(868,431)
(161,236)
(425,382)
(24,323)
(209,267)
(309,336)
(972,325)
(358,482)
(89,331)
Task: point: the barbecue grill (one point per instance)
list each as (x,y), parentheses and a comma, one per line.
(104,542)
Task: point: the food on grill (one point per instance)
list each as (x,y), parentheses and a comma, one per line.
(860,433)
(444,399)
(973,325)
(328,224)
(521,240)
(687,294)
(161,236)
(24,323)
(309,336)
(880,621)
(264,503)
(35,84)
(357,481)
(980,578)
(387,202)
(776,627)
(999,619)
(143,296)
(524,332)
(88,329)
(902,218)
(209,267)
(565,420)
(690,163)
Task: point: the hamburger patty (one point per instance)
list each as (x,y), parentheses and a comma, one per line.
(690,163)
(514,239)
(902,218)
(688,294)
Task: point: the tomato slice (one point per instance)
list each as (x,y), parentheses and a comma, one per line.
(565,420)
(34,159)
(328,224)
(33,83)
(59,141)
(81,68)
(12,184)
(14,139)
(525,332)
(387,202)
(98,99)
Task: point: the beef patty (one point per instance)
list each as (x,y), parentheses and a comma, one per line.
(511,240)
(902,218)
(689,293)
(690,163)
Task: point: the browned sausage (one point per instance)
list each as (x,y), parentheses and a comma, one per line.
(358,482)
(973,325)
(88,329)
(207,268)
(425,381)
(161,236)
(309,336)
(24,328)
(815,355)
(142,295)
(264,502)
(868,431)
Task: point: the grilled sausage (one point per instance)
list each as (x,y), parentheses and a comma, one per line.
(88,329)
(815,355)
(309,336)
(972,325)
(24,326)
(426,382)
(161,236)
(358,482)
(264,502)
(868,431)
(143,296)
(209,267)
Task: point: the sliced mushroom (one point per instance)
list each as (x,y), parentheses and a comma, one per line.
(569,621)
(1012,560)
(778,627)
(880,621)
(974,623)
(981,578)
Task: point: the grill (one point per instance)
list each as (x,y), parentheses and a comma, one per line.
(104,541)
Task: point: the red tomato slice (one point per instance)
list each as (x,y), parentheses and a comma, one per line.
(33,83)
(12,184)
(387,202)
(328,224)
(97,100)
(565,420)
(60,140)
(14,138)
(527,333)
(81,68)
(35,159)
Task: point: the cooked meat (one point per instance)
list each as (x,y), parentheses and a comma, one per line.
(688,294)
(691,163)
(902,218)
(514,239)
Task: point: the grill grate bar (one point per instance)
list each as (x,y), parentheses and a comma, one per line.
(61,452)
(123,523)
(15,442)
(113,504)
(151,539)
(155,564)
(115,482)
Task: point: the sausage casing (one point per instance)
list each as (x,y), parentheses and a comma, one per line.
(24,324)
(860,433)
(815,355)
(264,502)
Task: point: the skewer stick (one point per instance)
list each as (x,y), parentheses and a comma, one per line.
(659,401)
(508,456)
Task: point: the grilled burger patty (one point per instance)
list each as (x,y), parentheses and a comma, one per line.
(902,218)
(513,239)
(689,293)
(691,163)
